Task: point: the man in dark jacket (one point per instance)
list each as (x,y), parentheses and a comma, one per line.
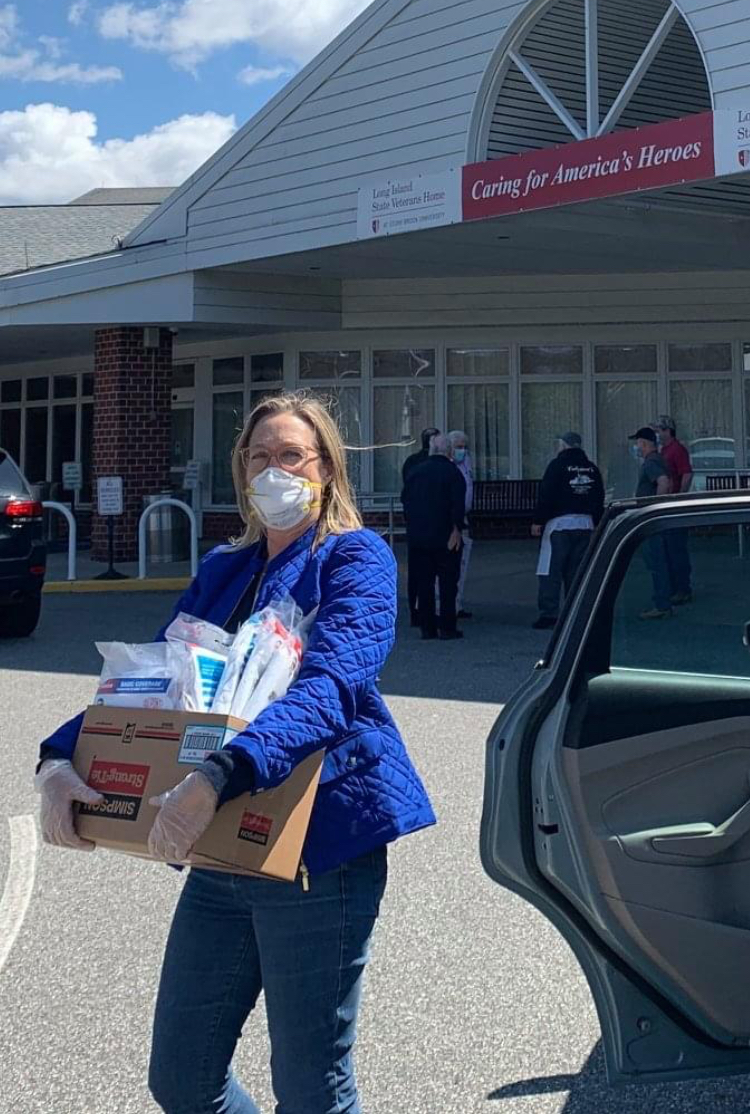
(409,465)
(571,502)
(434,500)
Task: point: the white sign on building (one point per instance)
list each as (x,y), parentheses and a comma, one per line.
(732,140)
(408,204)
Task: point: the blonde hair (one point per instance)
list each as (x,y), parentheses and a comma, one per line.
(338,512)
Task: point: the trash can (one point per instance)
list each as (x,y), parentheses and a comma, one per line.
(167,532)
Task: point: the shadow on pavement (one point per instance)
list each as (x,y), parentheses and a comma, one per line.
(497,653)
(590,1093)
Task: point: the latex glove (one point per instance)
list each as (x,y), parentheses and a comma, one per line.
(184,814)
(59,786)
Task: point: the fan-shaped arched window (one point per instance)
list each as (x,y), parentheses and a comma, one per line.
(583,68)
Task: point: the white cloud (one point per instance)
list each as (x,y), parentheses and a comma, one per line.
(49,153)
(191,30)
(24,63)
(256,75)
(77,12)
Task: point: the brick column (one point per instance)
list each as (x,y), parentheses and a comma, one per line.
(132,397)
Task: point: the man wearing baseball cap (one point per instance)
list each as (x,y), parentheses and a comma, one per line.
(654,479)
(677,459)
(570,504)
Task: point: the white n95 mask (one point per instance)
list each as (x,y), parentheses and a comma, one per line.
(281,500)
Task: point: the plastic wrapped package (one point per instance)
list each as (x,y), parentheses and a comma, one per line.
(242,647)
(270,668)
(144,675)
(201,650)
(276,678)
(199,632)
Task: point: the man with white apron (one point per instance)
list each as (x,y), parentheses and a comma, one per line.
(570,504)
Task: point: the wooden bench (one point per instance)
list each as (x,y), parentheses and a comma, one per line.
(500,502)
(728,481)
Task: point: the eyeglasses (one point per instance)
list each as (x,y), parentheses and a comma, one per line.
(290,458)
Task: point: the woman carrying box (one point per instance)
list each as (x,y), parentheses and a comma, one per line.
(305,944)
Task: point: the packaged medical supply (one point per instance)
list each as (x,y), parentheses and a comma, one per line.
(242,647)
(138,675)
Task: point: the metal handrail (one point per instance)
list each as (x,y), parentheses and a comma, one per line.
(380,501)
(72,534)
(166,502)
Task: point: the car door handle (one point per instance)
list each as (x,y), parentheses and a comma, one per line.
(702,840)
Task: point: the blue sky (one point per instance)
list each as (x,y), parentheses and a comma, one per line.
(113,92)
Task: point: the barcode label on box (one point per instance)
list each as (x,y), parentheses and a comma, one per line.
(200,740)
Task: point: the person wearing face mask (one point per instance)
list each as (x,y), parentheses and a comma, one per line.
(305,944)
(654,479)
(462,460)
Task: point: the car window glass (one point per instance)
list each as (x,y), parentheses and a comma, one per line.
(11,480)
(683,603)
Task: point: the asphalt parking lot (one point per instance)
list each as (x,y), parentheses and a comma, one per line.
(473,1002)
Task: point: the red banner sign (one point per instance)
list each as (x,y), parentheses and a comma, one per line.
(622,162)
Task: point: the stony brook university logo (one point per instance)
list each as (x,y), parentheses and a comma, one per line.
(255,828)
(122,784)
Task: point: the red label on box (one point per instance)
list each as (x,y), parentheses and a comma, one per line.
(118,777)
(255,828)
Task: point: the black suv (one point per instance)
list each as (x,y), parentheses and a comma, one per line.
(23,554)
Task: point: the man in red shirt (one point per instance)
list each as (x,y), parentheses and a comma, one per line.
(677,459)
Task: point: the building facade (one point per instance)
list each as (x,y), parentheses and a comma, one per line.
(596,314)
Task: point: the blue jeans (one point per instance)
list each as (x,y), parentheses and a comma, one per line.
(655,556)
(678,559)
(233,936)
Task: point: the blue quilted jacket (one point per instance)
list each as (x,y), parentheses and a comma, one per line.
(369,792)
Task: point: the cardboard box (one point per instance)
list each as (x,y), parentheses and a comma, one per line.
(132,754)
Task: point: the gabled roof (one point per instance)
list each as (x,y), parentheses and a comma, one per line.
(130,195)
(39,235)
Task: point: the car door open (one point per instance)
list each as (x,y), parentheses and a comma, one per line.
(617,796)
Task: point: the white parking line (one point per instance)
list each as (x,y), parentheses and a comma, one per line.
(20,881)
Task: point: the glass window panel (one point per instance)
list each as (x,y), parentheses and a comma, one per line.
(700,357)
(227,426)
(181,437)
(227,373)
(37,389)
(37,424)
(330,365)
(63,442)
(10,433)
(345,406)
(621,409)
(400,415)
(703,413)
(481,412)
(547,410)
(87,446)
(267,368)
(625,359)
(10,390)
(87,385)
(552,359)
(404,363)
(260,394)
(478,361)
(183,375)
(746,357)
(65,386)
(705,640)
